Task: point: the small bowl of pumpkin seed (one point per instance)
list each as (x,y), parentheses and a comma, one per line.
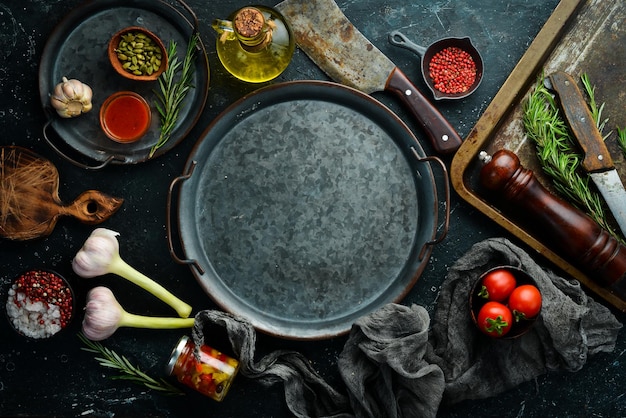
(137,54)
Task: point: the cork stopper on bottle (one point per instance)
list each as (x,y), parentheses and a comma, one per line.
(249,22)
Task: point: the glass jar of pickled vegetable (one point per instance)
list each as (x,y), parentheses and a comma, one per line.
(204,369)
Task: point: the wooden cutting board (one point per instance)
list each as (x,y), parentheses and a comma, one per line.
(29,200)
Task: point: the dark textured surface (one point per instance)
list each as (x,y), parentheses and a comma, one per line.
(57,378)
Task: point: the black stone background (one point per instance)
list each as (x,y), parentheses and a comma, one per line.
(58,378)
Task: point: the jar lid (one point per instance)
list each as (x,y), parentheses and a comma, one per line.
(175,354)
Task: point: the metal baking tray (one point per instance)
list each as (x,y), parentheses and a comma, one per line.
(579,37)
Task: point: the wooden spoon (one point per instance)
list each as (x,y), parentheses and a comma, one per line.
(29,197)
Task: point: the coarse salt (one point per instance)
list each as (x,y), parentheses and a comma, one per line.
(32,319)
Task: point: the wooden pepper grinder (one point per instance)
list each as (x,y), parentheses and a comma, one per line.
(572,233)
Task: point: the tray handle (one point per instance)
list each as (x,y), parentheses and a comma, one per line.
(196,26)
(56,149)
(438,233)
(168,220)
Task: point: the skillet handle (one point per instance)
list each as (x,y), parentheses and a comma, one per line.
(168,220)
(446,222)
(56,149)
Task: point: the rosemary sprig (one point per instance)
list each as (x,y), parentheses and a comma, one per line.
(171,92)
(621,140)
(558,153)
(596,111)
(109,358)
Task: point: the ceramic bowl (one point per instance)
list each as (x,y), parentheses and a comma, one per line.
(40,303)
(136,57)
(476,302)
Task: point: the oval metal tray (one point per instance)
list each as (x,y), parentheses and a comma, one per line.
(307,208)
(77,48)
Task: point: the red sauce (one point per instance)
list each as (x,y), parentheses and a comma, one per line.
(125,117)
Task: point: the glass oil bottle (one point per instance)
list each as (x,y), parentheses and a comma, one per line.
(256,43)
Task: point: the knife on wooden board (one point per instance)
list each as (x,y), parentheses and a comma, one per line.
(597,159)
(326,35)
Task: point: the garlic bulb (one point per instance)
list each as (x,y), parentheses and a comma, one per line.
(100,255)
(71,98)
(104,315)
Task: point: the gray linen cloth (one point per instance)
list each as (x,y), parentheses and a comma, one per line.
(393,365)
(571,327)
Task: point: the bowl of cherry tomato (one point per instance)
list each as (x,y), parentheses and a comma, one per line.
(505,302)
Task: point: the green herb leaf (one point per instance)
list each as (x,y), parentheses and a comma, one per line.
(621,140)
(112,360)
(596,111)
(171,92)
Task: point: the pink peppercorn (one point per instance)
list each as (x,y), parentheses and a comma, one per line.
(452,70)
(40,304)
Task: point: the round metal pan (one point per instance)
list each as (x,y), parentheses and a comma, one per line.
(304,206)
(77,48)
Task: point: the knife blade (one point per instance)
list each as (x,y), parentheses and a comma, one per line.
(597,159)
(326,35)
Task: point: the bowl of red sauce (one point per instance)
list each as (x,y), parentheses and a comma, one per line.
(125,116)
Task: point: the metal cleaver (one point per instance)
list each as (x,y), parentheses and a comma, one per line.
(326,35)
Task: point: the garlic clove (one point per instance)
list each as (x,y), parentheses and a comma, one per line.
(71,88)
(86,100)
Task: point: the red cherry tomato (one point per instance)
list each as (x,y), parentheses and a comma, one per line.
(525,302)
(495,319)
(497,285)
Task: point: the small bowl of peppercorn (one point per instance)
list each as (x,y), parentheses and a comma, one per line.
(452,67)
(137,54)
(40,303)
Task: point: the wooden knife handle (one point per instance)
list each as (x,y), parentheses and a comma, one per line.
(581,122)
(443,137)
(573,234)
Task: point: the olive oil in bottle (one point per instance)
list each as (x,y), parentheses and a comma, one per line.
(255,45)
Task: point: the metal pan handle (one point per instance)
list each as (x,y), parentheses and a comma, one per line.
(168,220)
(438,233)
(189,10)
(56,149)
